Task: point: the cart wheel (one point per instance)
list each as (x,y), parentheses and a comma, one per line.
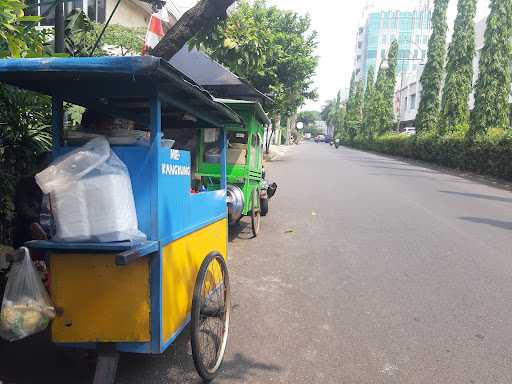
(210,316)
(255,212)
(264,206)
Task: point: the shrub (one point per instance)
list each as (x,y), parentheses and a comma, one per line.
(489,154)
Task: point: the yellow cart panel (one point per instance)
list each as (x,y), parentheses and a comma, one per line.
(100,302)
(180,265)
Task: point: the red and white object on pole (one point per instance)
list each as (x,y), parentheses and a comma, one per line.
(155,30)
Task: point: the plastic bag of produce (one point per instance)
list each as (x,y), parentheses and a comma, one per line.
(26,307)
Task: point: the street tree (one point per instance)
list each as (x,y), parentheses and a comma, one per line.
(493,85)
(273,49)
(432,77)
(308,118)
(368,95)
(459,71)
(385,91)
(354,112)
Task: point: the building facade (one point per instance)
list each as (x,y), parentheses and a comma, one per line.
(130,13)
(408,93)
(411,29)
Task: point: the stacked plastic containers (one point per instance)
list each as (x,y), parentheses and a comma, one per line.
(91,195)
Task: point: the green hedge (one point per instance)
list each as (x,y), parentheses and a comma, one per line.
(489,154)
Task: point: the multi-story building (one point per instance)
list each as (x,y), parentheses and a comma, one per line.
(411,29)
(408,94)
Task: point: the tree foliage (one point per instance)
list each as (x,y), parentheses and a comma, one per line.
(19,36)
(385,91)
(333,113)
(493,85)
(459,70)
(25,119)
(379,116)
(432,77)
(368,96)
(273,49)
(308,118)
(81,34)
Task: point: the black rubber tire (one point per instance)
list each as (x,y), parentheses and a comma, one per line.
(264,206)
(255,212)
(196,318)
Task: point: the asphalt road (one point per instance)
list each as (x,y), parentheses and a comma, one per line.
(368,269)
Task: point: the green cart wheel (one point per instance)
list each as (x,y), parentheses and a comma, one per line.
(255,212)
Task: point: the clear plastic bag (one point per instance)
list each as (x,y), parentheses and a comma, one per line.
(74,165)
(26,306)
(91,195)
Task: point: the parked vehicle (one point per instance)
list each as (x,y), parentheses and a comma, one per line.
(248,193)
(410,131)
(137,296)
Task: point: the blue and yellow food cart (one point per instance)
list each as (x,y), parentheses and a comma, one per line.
(137,296)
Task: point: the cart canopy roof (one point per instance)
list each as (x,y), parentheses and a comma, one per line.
(214,77)
(250,105)
(121,87)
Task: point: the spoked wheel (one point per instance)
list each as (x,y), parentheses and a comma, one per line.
(210,316)
(255,212)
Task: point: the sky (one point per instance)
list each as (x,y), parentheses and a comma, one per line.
(336,23)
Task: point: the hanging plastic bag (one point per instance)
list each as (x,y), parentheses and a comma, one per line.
(26,306)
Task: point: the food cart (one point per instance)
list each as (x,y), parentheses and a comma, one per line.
(248,193)
(138,296)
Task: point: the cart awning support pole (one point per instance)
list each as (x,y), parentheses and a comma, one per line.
(223,159)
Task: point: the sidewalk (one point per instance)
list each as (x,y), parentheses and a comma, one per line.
(276,152)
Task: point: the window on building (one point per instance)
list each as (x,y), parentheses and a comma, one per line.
(425,39)
(426,19)
(382,54)
(94,9)
(385,39)
(415,67)
(418,39)
(416,54)
(373,41)
(423,54)
(371,54)
(360,44)
(412,102)
(405,38)
(404,54)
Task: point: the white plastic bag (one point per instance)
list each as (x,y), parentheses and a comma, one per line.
(91,195)
(26,306)
(76,164)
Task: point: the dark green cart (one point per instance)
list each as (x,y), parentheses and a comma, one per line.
(248,192)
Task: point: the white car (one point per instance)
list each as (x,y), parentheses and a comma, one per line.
(410,131)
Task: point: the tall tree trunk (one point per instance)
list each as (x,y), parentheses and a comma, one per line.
(276,128)
(291,126)
(204,15)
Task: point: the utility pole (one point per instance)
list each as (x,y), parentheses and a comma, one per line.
(59,27)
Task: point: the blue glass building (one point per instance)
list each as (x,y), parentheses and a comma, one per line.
(411,29)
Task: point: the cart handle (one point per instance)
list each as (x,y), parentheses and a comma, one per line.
(132,255)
